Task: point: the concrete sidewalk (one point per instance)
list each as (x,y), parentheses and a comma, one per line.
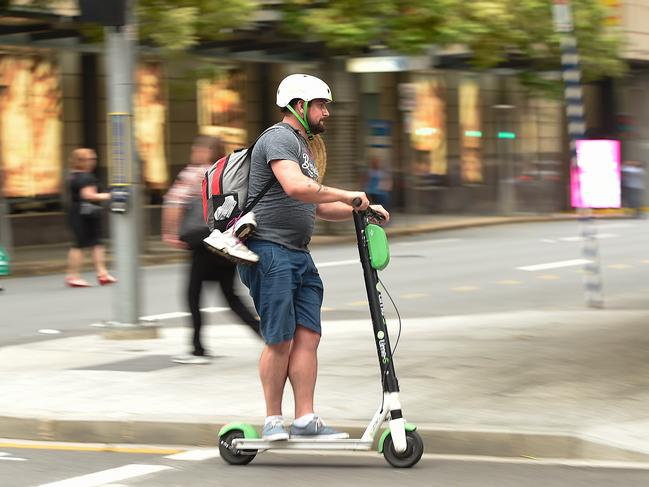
(541,384)
(50,259)
(529,383)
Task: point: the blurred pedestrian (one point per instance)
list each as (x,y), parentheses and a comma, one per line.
(84,217)
(378,183)
(633,186)
(183,227)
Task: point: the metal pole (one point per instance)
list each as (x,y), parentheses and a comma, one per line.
(125,176)
(571,73)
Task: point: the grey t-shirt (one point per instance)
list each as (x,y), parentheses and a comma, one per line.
(281,219)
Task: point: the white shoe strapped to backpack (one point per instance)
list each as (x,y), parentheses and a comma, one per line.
(245,226)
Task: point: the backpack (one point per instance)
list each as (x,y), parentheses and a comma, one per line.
(225,187)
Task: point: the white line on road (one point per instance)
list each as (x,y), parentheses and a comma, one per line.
(336,263)
(7,457)
(112,475)
(554,265)
(196,455)
(600,236)
(180,314)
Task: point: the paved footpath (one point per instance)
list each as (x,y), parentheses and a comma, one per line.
(542,384)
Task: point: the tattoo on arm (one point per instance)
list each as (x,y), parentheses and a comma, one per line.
(321,187)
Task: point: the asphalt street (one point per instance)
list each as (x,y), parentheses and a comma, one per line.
(78,465)
(532,266)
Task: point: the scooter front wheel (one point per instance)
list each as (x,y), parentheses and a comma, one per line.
(408,458)
(232,455)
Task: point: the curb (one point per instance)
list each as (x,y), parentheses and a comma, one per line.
(437,440)
(55,266)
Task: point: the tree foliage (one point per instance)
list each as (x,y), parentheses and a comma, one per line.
(493,31)
(177,25)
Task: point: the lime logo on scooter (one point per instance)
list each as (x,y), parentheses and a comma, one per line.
(382,348)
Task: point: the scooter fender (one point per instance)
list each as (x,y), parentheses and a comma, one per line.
(386,432)
(249,432)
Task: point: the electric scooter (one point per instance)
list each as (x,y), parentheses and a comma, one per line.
(400,443)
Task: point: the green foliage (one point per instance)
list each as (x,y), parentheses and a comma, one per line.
(177,25)
(494,31)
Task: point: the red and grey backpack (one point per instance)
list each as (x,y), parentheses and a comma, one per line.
(225,187)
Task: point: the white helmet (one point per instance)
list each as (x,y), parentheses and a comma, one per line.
(303,87)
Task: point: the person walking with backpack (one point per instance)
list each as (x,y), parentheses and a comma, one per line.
(183,227)
(285,285)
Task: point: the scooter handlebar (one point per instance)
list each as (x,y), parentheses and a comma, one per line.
(368,212)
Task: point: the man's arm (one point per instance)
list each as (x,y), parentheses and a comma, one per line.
(335,212)
(302,188)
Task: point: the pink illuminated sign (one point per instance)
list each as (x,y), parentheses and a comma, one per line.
(595,181)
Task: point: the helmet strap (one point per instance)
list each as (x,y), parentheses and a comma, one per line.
(303,121)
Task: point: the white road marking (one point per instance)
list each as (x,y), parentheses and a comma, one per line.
(180,314)
(599,236)
(336,263)
(577,238)
(553,265)
(7,457)
(196,455)
(106,476)
(48,331)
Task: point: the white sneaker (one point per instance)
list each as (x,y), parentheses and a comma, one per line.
(245,226)
(229,246)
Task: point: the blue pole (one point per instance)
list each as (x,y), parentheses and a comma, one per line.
(571,74)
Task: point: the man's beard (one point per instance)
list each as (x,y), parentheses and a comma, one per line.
(317,128)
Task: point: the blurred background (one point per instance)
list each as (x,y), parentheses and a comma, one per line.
(444,108)
(456,115)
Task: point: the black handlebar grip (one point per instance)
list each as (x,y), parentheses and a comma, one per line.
(356,202)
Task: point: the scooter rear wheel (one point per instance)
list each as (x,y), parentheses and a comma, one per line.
(413,453)
(231,454)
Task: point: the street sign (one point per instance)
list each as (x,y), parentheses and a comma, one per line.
(595,180)
(120,149)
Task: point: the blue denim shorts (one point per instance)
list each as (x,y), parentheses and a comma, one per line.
(286,289)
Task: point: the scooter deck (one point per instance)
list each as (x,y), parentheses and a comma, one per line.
(302,444)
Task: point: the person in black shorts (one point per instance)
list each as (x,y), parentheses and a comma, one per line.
(84,218)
